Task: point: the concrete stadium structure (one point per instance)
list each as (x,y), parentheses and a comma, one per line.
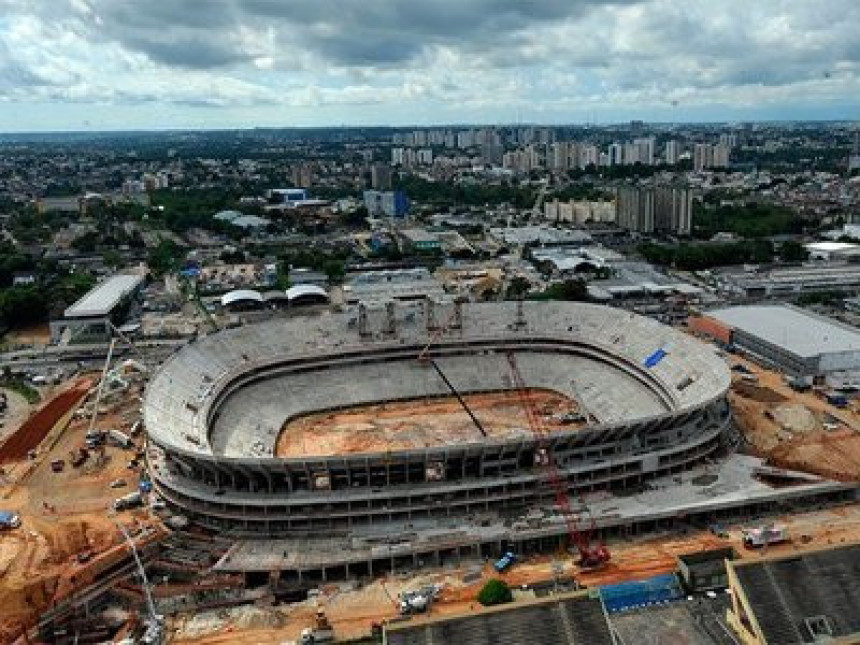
(655,398)
(214,411)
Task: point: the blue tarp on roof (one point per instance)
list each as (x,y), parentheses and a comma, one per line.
(629,595)
(655,358)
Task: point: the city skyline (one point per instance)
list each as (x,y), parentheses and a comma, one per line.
(97,65)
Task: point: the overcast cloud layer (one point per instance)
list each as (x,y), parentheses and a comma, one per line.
(72,64)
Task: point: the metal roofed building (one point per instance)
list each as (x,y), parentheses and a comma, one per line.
(830,251)
(574,618)
(100,307)
(397,284)
(786,281)
(797,598)
(795,341)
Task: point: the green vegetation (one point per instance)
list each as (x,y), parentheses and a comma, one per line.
(333,264)
(11,261)
(517,288)
(749,221)
(495,592)
(450,194)
(187,209)
(355,219)
(20,386)
(26,305)
(826,298)
(21,306)
(625,171)
(165,257)
(569,290)
(580,192)
(791,251)
(695,257)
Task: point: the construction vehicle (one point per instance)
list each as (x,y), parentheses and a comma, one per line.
(120,439)
(761,538)
(78,457)
(591,554)
(321,632)
(505,562)
(132,500)
(9,520)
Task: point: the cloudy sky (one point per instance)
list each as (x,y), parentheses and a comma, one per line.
(112,64)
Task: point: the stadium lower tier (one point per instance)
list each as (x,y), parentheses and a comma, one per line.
(281,497)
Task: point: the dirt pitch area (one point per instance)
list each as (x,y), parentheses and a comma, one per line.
(421,423)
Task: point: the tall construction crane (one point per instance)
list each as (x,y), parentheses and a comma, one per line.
(590,554)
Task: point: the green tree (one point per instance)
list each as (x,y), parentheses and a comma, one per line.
(356,218)
(572,290)
(164,257)
(792,251)
(22,305)
(495,592)
(517,288)
(334,270)
(86,243)
(112,258)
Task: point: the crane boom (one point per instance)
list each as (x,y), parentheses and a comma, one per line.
(590,555)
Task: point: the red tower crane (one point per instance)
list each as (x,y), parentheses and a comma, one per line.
(591,554)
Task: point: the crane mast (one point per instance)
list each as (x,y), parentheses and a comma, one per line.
(591,555)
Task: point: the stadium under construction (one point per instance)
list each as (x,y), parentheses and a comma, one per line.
(249,433)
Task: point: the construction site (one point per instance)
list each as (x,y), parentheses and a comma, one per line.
(424,423)
(307,479)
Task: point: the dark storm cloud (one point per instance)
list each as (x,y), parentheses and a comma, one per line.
(191,51)
(343,32)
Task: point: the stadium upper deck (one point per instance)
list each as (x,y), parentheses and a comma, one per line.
(228,395)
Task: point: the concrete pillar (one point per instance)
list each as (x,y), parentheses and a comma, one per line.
(390,318)
(432,325)
(363,323)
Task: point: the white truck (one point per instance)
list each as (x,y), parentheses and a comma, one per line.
(132,500)
(761,537)
(120,439)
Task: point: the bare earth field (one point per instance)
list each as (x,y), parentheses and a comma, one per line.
(797,430)
(419,424)
(63,514)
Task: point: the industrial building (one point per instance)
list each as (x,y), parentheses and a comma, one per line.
(92,316)
(388,284)
(798,342)
(834,251)
(777,282)
(575,618)
(798,598)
